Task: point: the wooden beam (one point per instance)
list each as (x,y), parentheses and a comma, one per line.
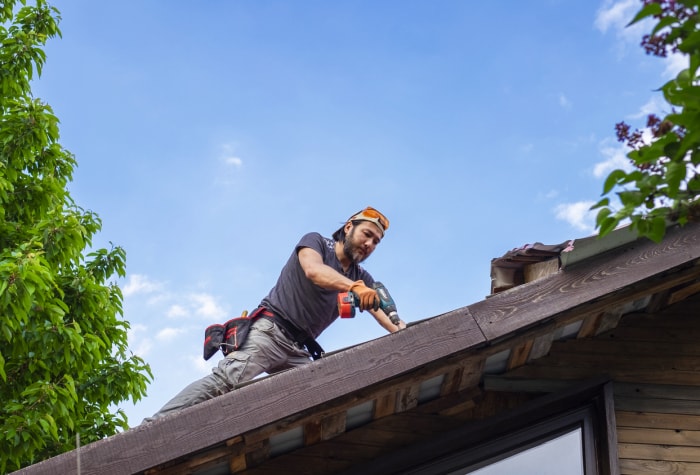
(477,431)
(590,325)
(596,282)
(333,425)
(313,432)
(505,384)
(520,354)
(407,398)
(274,398)
(683,293)
(385,405)
(541,269)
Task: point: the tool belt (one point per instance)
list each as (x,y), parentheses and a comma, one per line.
(227,337)
(231,335)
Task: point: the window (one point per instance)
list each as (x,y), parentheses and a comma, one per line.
(556,434)
(561,455)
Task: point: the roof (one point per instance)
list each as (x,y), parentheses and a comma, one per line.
(370,399)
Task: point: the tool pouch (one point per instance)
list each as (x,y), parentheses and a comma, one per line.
(213,338)
(227,337)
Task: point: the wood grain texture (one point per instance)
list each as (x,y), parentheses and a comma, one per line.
(670,453)
(606,275)
(657,420)
(273,398)
(658,467)
(653,359)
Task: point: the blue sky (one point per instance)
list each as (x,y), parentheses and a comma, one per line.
(210,136)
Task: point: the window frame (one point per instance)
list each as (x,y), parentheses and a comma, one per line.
(589,406)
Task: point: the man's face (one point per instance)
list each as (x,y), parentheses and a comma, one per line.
(361,240)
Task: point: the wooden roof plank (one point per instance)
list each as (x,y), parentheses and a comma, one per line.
(516,309)
(271,399)
(584,288)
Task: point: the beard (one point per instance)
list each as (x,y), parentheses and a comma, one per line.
(351,249)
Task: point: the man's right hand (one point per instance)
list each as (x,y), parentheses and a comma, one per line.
(368,297)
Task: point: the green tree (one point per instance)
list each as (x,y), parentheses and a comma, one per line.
(663,185)
(64,361)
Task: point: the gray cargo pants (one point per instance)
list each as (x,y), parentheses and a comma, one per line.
(266,349)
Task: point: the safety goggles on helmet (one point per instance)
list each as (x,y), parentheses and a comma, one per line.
(372,215)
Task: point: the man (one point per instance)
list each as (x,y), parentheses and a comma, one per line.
(299,307)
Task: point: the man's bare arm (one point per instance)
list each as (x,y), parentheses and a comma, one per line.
(321,274)
(383,319)
(328,278)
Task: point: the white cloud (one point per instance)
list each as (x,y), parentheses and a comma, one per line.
(143,348)
(204,367)
(200,304)
(235,161)
(134,330)
(173,304)
(675,63)
(139,343)
(547,195)
(615,158)
(655,105)
(232,163)
(229,157)
(616,15)
(564,101)
(176,311)
(140,284)
(168,334)
(579,215)
(206,306)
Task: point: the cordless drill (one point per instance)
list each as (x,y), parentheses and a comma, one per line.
(347,301)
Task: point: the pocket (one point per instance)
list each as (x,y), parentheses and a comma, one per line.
(264,325)
(234,367)
(236,332)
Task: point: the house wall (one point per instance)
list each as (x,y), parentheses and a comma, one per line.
(654,361)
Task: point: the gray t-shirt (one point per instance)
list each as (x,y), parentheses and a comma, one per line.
(295,298)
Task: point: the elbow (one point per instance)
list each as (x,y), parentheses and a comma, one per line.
(312,273)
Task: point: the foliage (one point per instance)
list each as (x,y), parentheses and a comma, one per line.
(64,361)
(663,185)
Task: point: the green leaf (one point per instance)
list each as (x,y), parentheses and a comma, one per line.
(649,10)
(631,198)
(663,23)
(601,203)
(675,174)
(602,215)
(691,43)
(607,225)
(657,230)
(613,178)
(641,225)
(694,64)
(694,184)
(671,149)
